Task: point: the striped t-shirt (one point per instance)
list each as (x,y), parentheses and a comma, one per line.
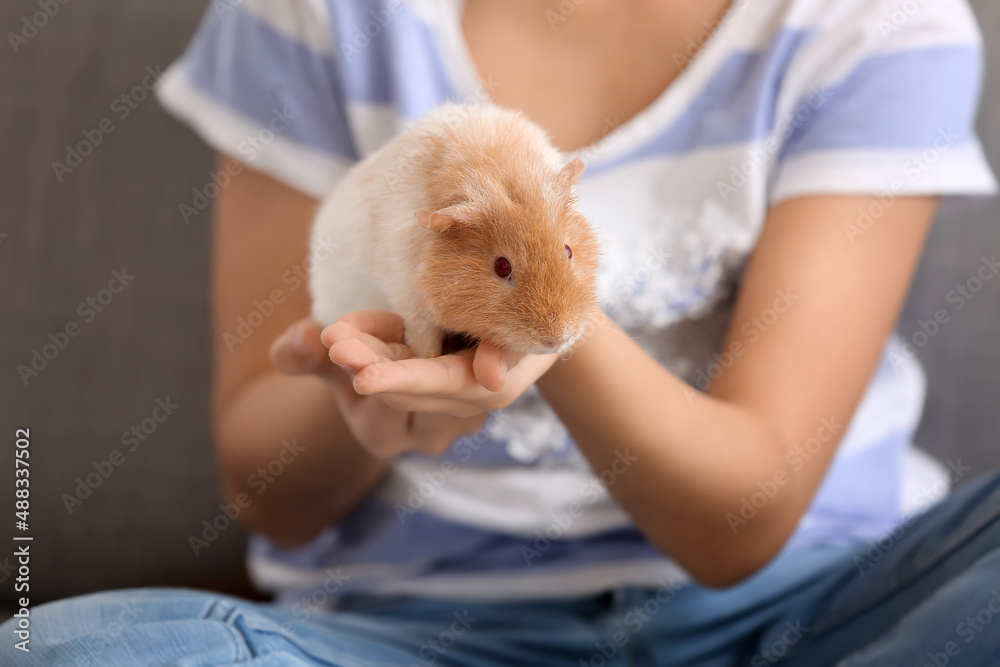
(780,99)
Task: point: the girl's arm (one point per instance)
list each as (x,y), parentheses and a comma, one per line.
(261,231)
(297,448)
(697,456)
(811,320)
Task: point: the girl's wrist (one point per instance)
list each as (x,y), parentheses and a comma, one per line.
(565,371)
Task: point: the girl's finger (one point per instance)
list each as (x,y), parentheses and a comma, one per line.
(343,393)
(356,352)
(445,376)
(491,364)
(299,349)
(489,367)
(352,354)
(382,324)
(381,428)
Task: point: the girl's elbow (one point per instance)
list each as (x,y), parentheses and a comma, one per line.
(726,572)
(733,559)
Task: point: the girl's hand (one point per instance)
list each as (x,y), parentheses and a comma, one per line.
(368,345)
(381,429)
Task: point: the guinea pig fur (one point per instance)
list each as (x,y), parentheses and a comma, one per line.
(465,223)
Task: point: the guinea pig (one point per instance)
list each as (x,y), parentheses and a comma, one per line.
(465,223)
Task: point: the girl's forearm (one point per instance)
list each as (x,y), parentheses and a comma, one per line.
(691,458)
(287,459)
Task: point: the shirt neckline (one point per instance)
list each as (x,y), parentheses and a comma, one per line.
(633,133)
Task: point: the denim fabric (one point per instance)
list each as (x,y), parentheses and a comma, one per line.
(926,595)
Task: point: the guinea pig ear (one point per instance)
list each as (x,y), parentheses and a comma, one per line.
(442,220)
(569,174)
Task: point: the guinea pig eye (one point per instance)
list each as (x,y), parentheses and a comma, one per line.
(501,267)
(569,252)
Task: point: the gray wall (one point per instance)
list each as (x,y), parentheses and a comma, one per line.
(119,209)
(962,415)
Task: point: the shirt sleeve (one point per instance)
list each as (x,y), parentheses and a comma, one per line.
(884,102)
(259,82)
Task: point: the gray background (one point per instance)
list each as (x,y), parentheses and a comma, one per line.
(120,209)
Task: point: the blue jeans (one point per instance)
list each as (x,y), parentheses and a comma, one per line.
(928,595)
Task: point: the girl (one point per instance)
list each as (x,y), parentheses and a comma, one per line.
(716,474)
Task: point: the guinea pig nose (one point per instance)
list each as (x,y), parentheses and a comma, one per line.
(547,342)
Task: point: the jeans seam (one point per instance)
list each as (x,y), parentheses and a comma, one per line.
(241,647)
(243,652)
